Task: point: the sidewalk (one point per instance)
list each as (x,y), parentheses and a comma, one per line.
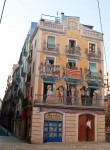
(8,133)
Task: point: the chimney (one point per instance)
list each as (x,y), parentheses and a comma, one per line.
(63,18)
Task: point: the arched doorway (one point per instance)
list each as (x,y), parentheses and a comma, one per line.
(86,131)
(53,123)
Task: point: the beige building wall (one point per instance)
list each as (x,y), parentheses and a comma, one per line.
(70,127)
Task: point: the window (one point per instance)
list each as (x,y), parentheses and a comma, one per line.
(35,43)
(93,69)
(92,47)
(33,67)
(72,43)
(49,65)
(31,94)
(51,42)
(71,64)
(50,60)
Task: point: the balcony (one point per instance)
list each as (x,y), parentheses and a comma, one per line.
(23,73)
(93,76)
(72,74)
(27,102)
(49,70)
(25,53)
(18,79)
(51,50)
(18,115)
(96,57)
(20,93)
(29,59)
(67,101)
(28,79)
(72,52)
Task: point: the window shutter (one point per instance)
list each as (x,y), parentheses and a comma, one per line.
(93,69)
(51,42)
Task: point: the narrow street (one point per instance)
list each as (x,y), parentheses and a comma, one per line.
(2,132)
(12,143)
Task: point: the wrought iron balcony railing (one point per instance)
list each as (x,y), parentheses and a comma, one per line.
(27,102)
(53,49)
(72,51)
(28,79)
(89,75)
(93,56)
(49,70)
(68,100)
(23,73)
(29,59)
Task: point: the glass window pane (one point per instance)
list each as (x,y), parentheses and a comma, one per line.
(60,129)
(45,129)
(46,123)
(92,67)
(59,134)
(51,42)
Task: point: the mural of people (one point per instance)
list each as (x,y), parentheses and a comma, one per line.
(61,94)
(83,95)
(88,98)
(72,94)
(49,98)
(47,67)
(96,96)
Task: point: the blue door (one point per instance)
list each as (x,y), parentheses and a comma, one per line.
(52,131)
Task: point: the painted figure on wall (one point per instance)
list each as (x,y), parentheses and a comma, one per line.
(49,94)
(72,94)
(96,96)
(61,94)
(83,95)
(88,97)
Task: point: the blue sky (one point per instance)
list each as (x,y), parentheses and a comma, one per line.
(19,14)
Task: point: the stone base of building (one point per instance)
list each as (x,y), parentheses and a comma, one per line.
(67,125)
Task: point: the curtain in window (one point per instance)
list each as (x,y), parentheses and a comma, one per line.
(93,69)
(51,42)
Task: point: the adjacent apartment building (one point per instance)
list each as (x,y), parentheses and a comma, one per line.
(62,93)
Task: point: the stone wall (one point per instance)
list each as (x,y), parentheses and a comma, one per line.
(37,127)
(100,128)
(70,128)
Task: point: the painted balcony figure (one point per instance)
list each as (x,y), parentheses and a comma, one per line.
(49,98)
(83,95)
(72,94)
(61,94)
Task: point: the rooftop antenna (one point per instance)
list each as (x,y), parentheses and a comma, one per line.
(57,14)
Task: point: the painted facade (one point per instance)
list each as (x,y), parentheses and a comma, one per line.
(68,80)
(63,84)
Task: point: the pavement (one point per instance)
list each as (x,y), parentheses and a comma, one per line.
(12,143)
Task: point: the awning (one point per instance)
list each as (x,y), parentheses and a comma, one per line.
(93,85)
(49,80)
(73,81)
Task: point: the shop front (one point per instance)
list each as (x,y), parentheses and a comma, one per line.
(53,123)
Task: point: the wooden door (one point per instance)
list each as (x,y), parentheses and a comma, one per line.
(86,132)
(82,128)
(90,131)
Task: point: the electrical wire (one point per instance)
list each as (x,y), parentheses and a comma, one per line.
(102,34)
(2,11)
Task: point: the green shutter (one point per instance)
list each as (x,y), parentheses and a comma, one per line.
(93,69)
(51,42)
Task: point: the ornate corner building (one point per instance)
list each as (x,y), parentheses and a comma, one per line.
(62,93)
